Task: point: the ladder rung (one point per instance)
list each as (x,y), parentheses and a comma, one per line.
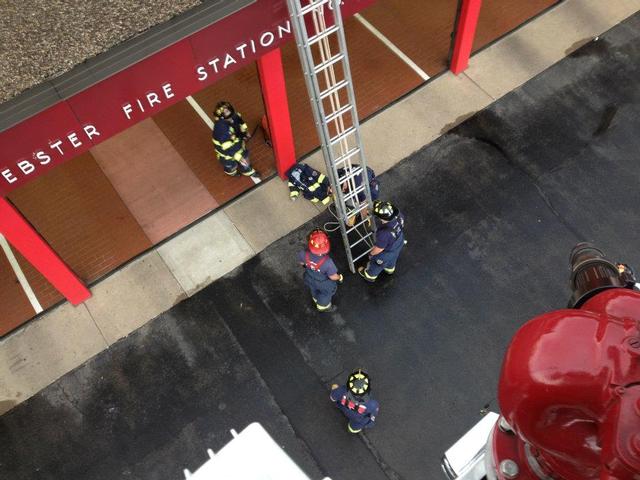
(324,65)
(342,135)
(357,225)
(354,194)
(337,113)
(316,38)
(347,156)
(351,213)
(312,6)
(354,173)
(362,239)
(341,84)
(360,256)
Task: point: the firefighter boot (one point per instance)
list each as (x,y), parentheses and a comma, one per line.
(362,271)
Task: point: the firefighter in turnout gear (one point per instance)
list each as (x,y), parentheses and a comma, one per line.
(320,273)
(388,244)
(374,185)
(312,184)
(356,185)
(355,402)
(230,133)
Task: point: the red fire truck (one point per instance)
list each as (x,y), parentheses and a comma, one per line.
(569,390)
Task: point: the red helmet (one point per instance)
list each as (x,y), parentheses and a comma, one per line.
(319,242)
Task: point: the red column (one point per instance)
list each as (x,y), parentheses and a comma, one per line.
(465,34)
(277,106)
(26,240)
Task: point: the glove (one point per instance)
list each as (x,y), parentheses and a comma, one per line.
(341,279)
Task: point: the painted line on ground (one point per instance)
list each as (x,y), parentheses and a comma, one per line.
(199,110)
(392,47)
(20,275)
(205,118)
(255,180)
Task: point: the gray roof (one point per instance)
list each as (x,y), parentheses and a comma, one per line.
(42,39)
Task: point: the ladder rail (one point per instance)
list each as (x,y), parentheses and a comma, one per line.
(343,134)
(342,117)
(342,41)
(313,86)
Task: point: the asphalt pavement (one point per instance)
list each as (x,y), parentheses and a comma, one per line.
(493,208)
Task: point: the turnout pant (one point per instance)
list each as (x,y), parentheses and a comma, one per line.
(383,261)
(322,291)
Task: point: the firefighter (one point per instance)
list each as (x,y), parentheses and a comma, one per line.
(627,275)
(313,185)
(374,188)
(355,402)
(388,244)
(230,133)
(320,273)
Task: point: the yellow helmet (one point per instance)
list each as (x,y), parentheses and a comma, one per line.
(219,110)
(384,210)
(359,385)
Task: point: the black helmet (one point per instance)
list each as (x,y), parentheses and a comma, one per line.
(384,210)
(344,171)
(219,110)
(358,386)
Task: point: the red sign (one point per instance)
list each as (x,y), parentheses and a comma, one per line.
(73,126)
(35,146)
(138,92)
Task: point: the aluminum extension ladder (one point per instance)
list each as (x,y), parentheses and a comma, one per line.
(318,30)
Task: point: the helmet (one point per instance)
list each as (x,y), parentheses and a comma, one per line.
(219,110)
(318,242)
(358,386)
(384,210)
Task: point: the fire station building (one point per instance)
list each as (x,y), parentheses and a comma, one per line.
(106,151)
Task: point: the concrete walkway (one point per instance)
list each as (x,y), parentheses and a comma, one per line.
(66,337)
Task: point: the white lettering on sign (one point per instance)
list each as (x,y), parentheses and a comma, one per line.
(59,147)
(267,39)
(43,157)
(228,60)
(153,99)
(150,100)
(214,64)
(8,176)
(167,91)
(73,138)
(56,145)
(91,131)
(26,166)
(127,110)
(242,51)
(202,73)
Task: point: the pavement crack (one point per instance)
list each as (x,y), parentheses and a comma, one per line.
(389,472)
(104,338)
(534,181)
(480,87)
(605,121)
(70,400)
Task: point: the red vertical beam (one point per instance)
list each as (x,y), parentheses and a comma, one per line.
(277,106)
(26,240)
(465,34)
